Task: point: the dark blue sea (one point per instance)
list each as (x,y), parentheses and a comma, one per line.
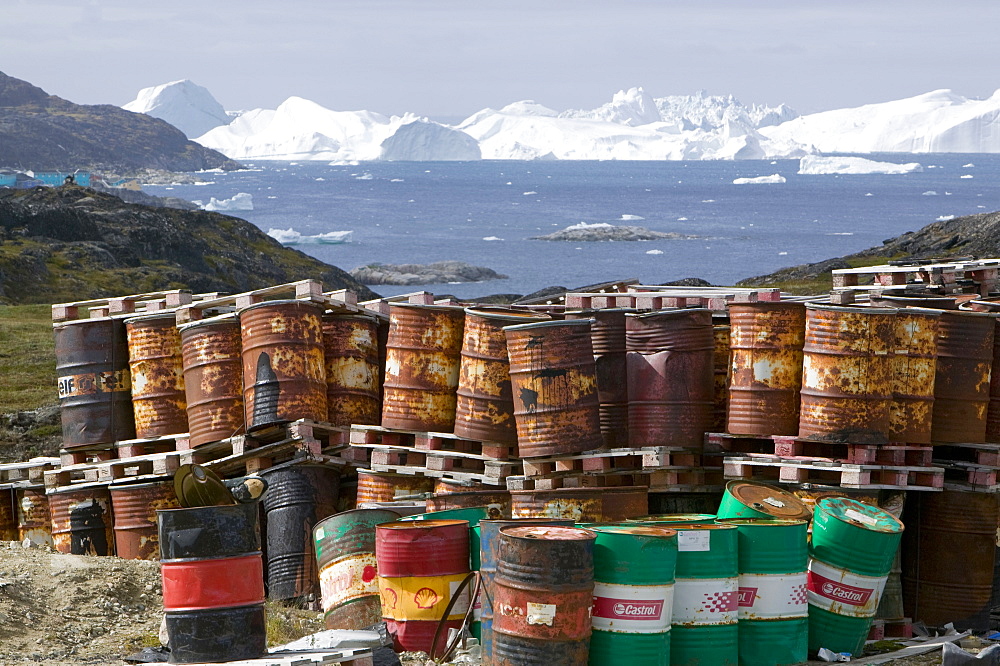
(407,212)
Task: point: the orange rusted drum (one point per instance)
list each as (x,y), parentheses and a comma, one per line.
(993,413)
(33,521)
(497,502)
(543,594)
(350,344)
(671,383)
(423,357)
(485,407)
(767,340)
(913,369)
(284,371)
(554,380)
(721,361)
(607,335)
(386,487)
(582,505)
(154,359)
(8,515)
(134,507)
(847,374)
(446,486)
(949,551)
(962,379)
(213,380)
(81,520)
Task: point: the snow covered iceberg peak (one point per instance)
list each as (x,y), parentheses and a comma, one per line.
(184,104)
(632,107)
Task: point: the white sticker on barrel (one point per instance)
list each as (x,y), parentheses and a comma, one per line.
(461,606)
(633,609)
(843,592)
(773,596)
(861,518)
(541,613)
(774,502)
(690,541)
(700,601)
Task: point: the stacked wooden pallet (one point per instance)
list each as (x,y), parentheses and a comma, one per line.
(948,277)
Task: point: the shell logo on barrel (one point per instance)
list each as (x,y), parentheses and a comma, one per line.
(389,598)
(426,598)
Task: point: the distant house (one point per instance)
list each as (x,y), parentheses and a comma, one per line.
(8,179)
(57,178)
(26,182)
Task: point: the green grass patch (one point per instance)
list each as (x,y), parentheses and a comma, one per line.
(27,355)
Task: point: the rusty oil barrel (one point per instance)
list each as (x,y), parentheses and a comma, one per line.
(671,385)
(447,486)
(388,487)
(913,370)
(33,519)
(423,358)
(949,553)
(752,499)
(95,387)
(213,583)
(82,520)
(154,359)
(350,347)
(767,341)
(296,499)
(134,507)
(913,301)
(993,412)
(420,566)
(721,361)
(847,374)
(284,372)
(544,591)
(8,515)
(554,380)
(348,571)
(607,336)
(497,502)
(962,379)
(211,351)
(582,505)
(485,405)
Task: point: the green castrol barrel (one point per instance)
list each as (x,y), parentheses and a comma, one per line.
(673,519)
(633,594)
(773,607)
(704,626)
(852,551)
(749,499)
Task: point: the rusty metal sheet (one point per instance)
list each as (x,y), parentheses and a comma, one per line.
(847,374)
(767,341)
(485,404)
(582,505)
(671,381)
(284,369)
(962,377)
(134,507)
(33,521)
(81,521)
(423,357)
(211,351)
(155,362)
(721,362)
(386,487)
(350,344)
(554,381)
(914,366)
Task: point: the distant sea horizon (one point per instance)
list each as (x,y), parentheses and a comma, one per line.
(485,213)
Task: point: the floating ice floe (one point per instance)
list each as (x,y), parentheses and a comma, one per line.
(930,193)
(944,218)
(629,218)
(968,175)
(654,251)
(292,237)
(812,165)
(242,201)
(492,238)
(775,178)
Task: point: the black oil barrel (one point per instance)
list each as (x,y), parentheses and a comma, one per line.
(296,499)
(213,583)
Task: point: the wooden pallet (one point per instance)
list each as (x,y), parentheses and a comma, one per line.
(911,455)
(622,460)
(132,448)
(383,305)
(87,454)
(986,454)
(372,435)
(30,473)
(148,303)
(342,300)
(952,276)
(785,470)
(678,480)
(645,297)
(331,438)
(488,472)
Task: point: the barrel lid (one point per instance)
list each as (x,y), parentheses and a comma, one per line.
(674,518)
(970,313)
(766,305)
(845,308)
(227,318)
(426,306)
(704,526)
(544,324)
(635,530)
(154,316)
(768,499)
(197,486)
(88,320)
(985,305)
(763,522)
(549,533)
(857,513)
(281,303)
(503,314)
(420,524)
(667,314)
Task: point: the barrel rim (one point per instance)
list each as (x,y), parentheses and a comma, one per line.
(892,521)
(569,532)
(281,303)
(226,318)
(420,524)
(151,317)
(763,522)
(634,530)
(668,517)
(347,513)
(767,305)
(331,315)
(733,484)
(705,526)
(89,320)
(512,315)
(971,313)
(849,309)
(423,306)
(667,313)
(548,324)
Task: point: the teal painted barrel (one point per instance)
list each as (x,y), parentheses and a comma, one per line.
(634,569)
(851,554)
(673,519)
(749,499)
(773,604)
(705,627)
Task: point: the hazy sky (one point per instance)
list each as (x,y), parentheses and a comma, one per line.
(449,58)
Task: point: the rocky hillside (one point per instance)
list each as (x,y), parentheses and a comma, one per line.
(43,132)
(72,243)
(969,236)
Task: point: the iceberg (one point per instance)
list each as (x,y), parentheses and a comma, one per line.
(241,201)
(760,180)
(292,237)
(185,105)
(818,165)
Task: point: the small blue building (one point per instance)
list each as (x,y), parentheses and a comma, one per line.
(8,179)
(56,178)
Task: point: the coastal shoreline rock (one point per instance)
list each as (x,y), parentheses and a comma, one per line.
(440,272)
(600,231)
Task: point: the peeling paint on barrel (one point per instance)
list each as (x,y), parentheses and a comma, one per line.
(962,380)
(582,505)
(8,515)
(155,362)
(423,357)
(767,340)
(387,487)
(81,520)
(134,507)
(33,519)
(914,366)
(213,380)
(350,344)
